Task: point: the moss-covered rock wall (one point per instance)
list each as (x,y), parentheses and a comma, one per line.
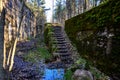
(96,34)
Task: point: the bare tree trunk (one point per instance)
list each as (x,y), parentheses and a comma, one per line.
(84,5)
(69,10)
(93,2)
(9,56)
(101,1)
(4,55)
(73,6)
(80,6)
(13,54)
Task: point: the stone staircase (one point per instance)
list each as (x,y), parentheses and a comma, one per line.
(63,48)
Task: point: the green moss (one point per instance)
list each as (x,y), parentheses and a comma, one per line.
(44,53)
(49,40)
(46,31)
(32,57)
(96,21)
(98,75)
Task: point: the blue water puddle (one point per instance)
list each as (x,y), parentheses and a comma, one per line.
(54,74)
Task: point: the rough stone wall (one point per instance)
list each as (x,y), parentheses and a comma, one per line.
(1,51)
(1,44)
(10,15)
(96,34)
(14,14)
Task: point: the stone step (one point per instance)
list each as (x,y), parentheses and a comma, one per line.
(57,43)
(68,61)
(62,51)
(64,54)
(57,27)
(60,33)
(57,31)
(65,58)
(60,42)
(59,38)
(61,47)
(57,35)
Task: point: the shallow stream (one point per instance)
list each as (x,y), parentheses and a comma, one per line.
(53,74)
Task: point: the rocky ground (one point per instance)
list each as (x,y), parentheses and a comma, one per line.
(23,70)
(26,71)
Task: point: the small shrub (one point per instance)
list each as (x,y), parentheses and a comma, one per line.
(44,53)
(98,75)
(32,56)
(68,75)
(37,55)
(81,63)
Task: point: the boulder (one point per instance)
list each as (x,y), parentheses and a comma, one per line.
(82,75)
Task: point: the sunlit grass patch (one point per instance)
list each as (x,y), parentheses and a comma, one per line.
(44,53)
(37,55)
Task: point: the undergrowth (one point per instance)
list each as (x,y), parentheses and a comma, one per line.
(68,75)
(81,63)
(37,55)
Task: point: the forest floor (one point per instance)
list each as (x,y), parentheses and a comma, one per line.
(33,61)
